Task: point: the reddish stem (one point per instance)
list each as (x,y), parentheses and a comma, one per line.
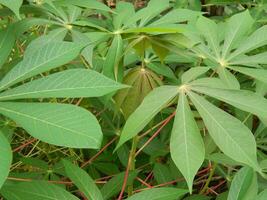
(167,120)
(98,153)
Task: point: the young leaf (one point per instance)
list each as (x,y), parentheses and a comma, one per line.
(37,190)
(47,57)
(110,66)
(68,84)
(242,99)
(58,124)
(5,158)
(154,102)
(83,181)
(7,40)
(13,5)
(244,185)
(159,194)
(186,145)
(230,135)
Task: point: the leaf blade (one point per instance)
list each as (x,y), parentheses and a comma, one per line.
(230,135)
(186,145)
(58,124)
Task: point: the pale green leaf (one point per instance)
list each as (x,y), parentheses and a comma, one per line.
(53,36)
(5,158)
(228,78)
(209,30)
(209,82)
(255,40)
(231,136)
(67,84)
(153,9)
(13,5)
(193,73)
(58,124)
(259,74)
(242,99)
(244,185)
(159,194)
(91,4)
(82,180)
(186,145)
(237,26)
(51,55)
(36,190)
(253,60)
(175,16)
(153,103)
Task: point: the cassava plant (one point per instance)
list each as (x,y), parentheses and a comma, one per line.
(136,100)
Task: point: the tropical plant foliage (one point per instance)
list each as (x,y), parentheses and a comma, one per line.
(158,100)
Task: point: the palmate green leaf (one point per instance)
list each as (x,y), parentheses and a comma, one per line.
(237,26)
(110,66)
(58,124)
(67,84)
(259,74)
(53,36)
(176,16)
(91,4)
(153,9)
(231,136)
(83,181)
(5,158)
(209,29)
(209,82)
(161,69)
(260,58)
(244,185)
(37,190)
(186,145)
(193,73)
(156,29)
(7,40)
(123,11)
(114,185)
(13,5)
(242,99)
(159,194)
(228,78)
(255,40)
(153,103)
(51,55)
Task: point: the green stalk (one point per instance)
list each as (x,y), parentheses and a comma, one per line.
(212,171)
(132,162)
